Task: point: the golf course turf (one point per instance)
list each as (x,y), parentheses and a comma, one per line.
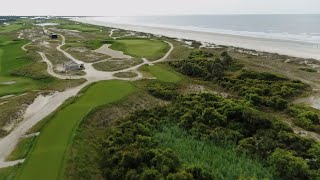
(13,58)
(163,74)
(141,48)
(46,159)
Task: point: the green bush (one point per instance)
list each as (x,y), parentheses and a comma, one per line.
(165,91)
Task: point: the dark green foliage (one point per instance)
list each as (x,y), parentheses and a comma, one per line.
(306,118)
(165,91)
(288,166)
(130,149)
(261,89)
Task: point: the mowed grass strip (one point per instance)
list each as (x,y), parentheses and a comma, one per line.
(164,75)
(46,159)
(141,48)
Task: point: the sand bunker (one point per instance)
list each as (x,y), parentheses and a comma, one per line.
(8,83)
(104,49)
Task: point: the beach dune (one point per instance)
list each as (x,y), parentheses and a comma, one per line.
(284,47)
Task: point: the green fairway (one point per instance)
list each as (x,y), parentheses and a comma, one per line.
(141,48)
(9,28)
(13,58)
(46,159)
(163,74)
(82,28)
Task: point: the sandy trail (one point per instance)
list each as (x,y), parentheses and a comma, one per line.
(24,47)
(45,105)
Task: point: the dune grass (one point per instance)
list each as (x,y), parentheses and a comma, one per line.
(141,48)
(163,74)
(220,162)
(22,149)
(117,65)
(47,157)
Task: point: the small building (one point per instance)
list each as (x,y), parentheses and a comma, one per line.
(72,66)
(54,36)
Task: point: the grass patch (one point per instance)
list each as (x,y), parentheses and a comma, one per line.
(163,74)
(9,28)
(22,149)
(82,27)
(117,64)
(46,159)
(308,70)
(126,74)
(220,162)
(141,48)
(9,173)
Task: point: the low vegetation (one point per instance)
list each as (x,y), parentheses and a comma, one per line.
(308,70)
(305,117)
(22,149)
(260,88)
(115,65)
(126,74)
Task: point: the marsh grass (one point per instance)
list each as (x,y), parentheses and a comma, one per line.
(220,162)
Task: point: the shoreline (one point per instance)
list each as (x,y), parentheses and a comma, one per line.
(283,47)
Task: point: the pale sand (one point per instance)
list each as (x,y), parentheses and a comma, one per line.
(8,83)
(104,49)
(291,48)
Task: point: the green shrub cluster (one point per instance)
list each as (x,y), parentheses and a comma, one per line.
(165,91)
(305,118)
(260,88)
(130,151)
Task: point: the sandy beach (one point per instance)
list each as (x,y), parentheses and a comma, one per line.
(284,47)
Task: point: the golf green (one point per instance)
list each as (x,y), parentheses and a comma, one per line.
(163,74)
(46,159)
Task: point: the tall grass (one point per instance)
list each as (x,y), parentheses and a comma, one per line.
(220,162)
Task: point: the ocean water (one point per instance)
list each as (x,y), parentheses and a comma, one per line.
(303,28)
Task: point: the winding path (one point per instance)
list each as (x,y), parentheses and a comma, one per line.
(47,105)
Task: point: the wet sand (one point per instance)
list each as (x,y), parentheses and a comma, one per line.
(290,48)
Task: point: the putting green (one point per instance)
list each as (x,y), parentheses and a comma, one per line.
(46,159)
(141,48)
(163,74)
